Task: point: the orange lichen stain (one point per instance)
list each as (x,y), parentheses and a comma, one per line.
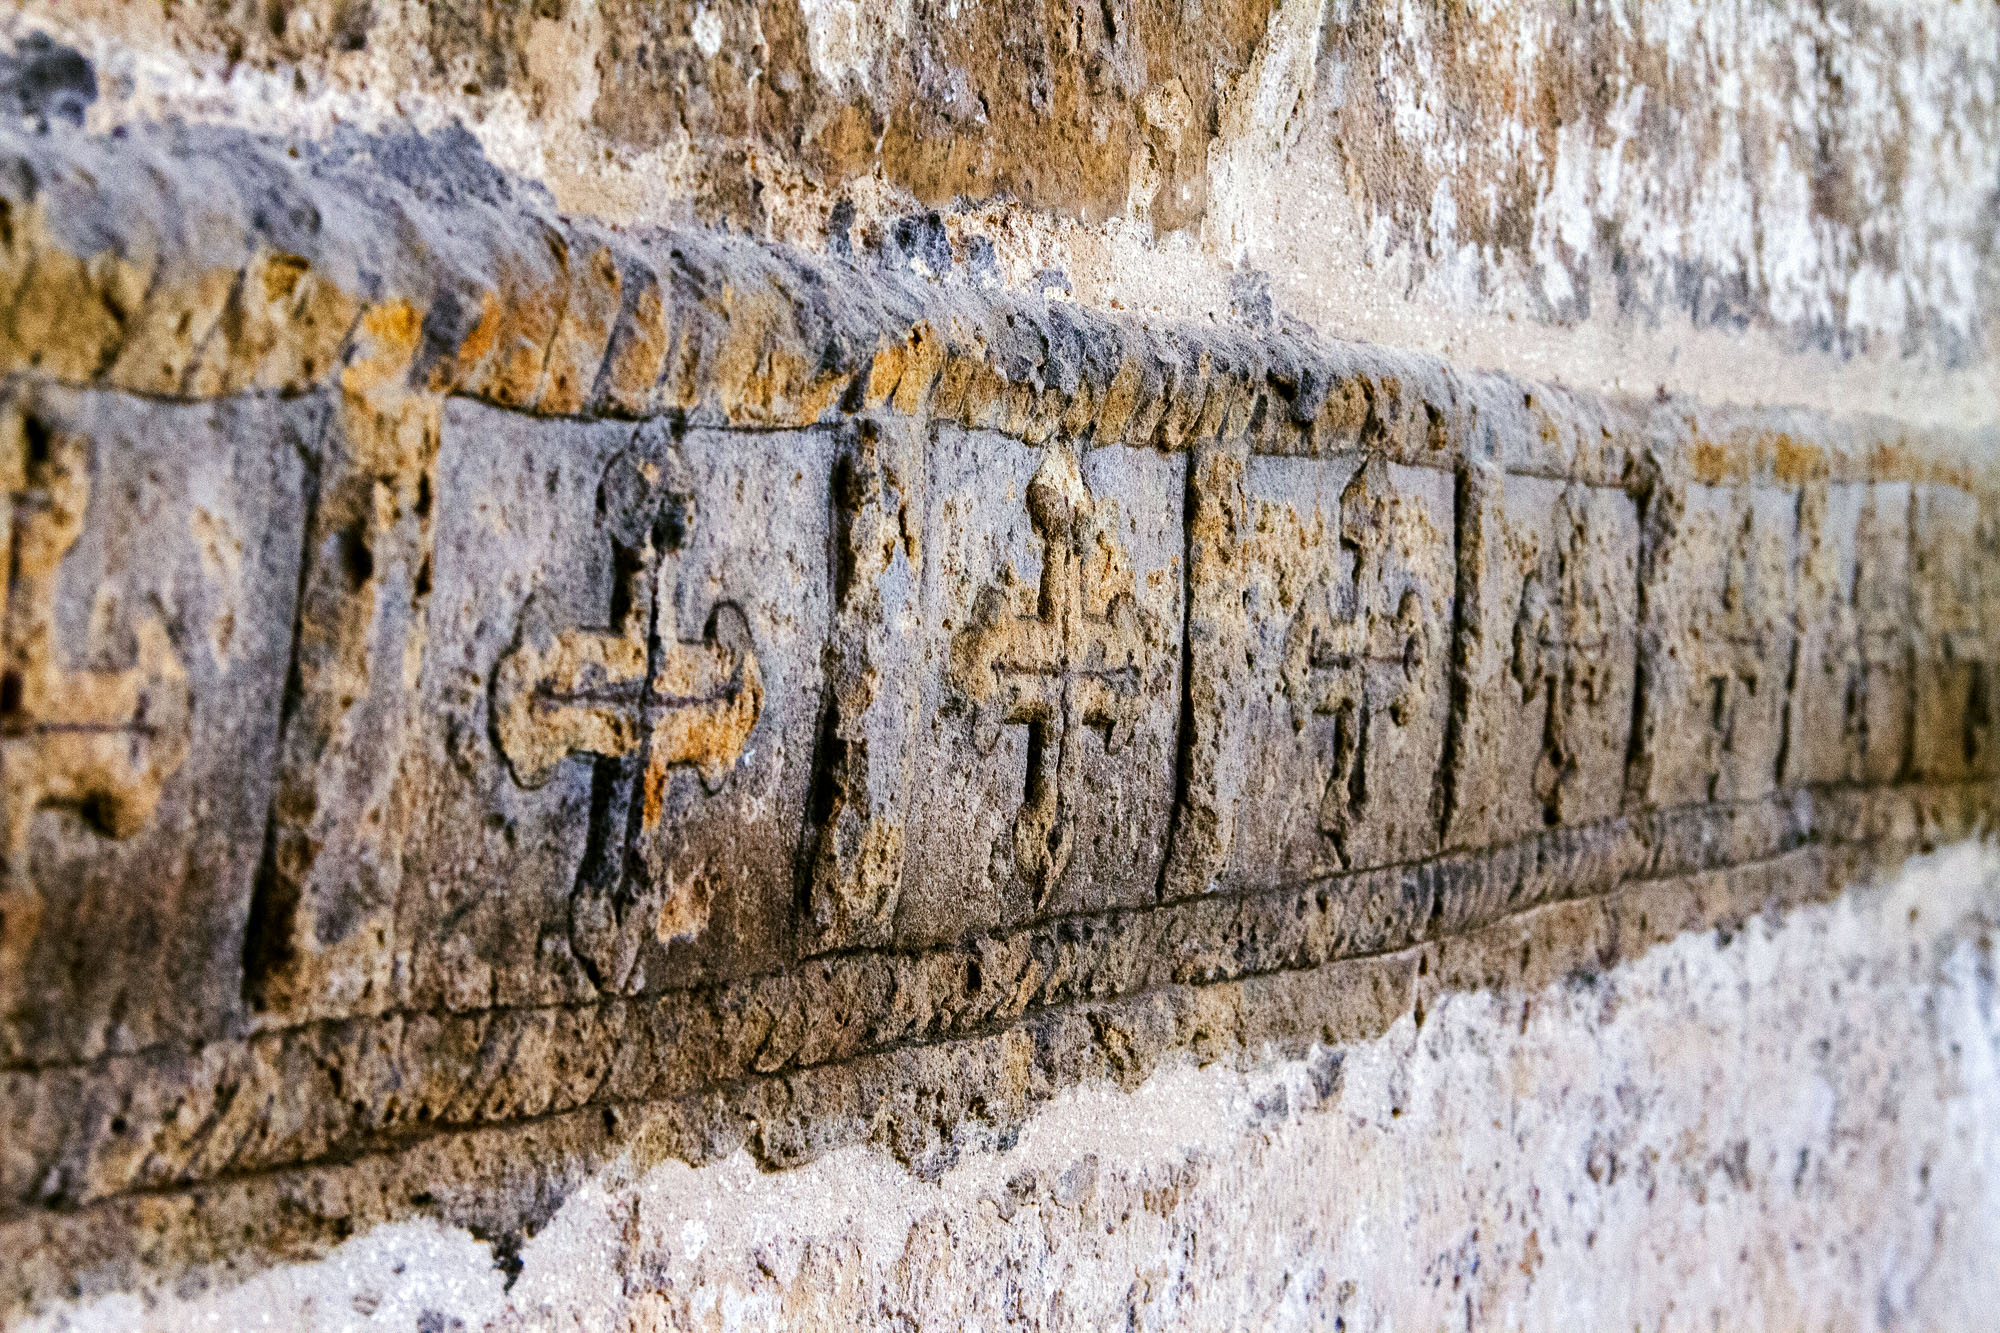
(280,331)
(180,313)
(513,374)
(884,370)
(784,388)
(819,396)
(1078,413)
(1342,416)
(69,314)
(927,354)
(948,399)
(478,343)
(503,358)
(577,350)
(983,395)
(654,798)
(633,378)
(1710,461)
(741,370)
(1797,461)
(569,696)
(1889,458)
(385,341)
(1223,395)
(1116,409)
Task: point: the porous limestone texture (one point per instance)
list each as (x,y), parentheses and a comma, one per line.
(1783,1124)
(600,588)
(1749,202)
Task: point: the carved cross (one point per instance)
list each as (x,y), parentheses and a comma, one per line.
(102,743)
(1078,663)
(1563,642)
(1739,637)
(643,703)
(1349,657)
(1874,609)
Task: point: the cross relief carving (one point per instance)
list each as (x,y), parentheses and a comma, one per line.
(1080,662)
(101,743)
(1720,605)
(1563,639)
(1738,639)
(1361,650)
(641,702)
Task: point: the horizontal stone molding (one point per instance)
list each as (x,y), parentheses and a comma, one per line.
(477,684)
(925,1102)
(326,1090)
(197,262)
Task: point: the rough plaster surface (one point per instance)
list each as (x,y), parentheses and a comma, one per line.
(1790,1124)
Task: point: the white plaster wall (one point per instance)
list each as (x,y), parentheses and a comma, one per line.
(1794,1126)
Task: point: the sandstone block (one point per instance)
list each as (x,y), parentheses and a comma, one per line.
(1547,655)
(1333,692)
(154,556)
(1718,639)
(1053,587)
(1852,693)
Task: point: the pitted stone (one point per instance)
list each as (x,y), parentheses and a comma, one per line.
(1852,695)
(1053,584)
(1953,547)
(632,692)
(1548,587)
(1335,721)
(154,558)
(100,744)
(669,679)
(1717,660)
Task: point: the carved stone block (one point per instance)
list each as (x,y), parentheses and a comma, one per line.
(526,534)
(331,877)
(1337,683)
(746,600)
(153,557)
(1547,642)
(1720,602)
(1951,551)
(620,688)
(874,687)
(1851,695)
(1052,587)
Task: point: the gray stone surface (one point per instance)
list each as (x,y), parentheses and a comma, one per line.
(486,694)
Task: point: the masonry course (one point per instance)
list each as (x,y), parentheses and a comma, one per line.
(485,692)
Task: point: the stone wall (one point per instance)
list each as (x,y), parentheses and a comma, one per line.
(1698,1136)
(496,695)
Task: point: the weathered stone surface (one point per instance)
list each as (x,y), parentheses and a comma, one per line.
(1951,547)
(1324,663)
(484,692)
(1045,779)
(1767,182)
(1853,693)
(1547,656)
(154,557)
(1719,590)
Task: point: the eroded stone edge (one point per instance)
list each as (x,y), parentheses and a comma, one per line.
(924,1103)
(201,262)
